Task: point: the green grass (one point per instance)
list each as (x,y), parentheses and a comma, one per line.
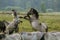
(52,21)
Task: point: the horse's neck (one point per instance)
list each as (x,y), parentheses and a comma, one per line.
(33,18)
(6,23)
(16,19)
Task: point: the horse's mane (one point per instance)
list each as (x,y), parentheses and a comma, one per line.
(35,12)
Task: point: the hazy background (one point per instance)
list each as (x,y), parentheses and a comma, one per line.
(24,5)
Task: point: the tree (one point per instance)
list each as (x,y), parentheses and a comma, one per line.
(28,5)
(43,7)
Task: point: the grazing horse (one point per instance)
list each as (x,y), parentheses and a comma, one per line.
(42,27)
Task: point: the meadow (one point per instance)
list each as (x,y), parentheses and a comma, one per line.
(51,19)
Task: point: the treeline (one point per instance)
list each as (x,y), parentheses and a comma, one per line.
(24,5)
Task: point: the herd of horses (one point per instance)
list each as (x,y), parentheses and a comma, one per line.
(32,16)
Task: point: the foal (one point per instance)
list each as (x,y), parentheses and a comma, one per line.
(42,27)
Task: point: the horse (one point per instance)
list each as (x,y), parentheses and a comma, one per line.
(33,36)
(25,36)
(13,25)
(10,27)
(2,29)
(2,26)
(33,17)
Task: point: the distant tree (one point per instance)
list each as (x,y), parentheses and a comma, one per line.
(43,8)
(28,5)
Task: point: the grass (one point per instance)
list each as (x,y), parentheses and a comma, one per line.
(52,21)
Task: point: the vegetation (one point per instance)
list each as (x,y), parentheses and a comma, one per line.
(52,21)
(22,5)
(43,8)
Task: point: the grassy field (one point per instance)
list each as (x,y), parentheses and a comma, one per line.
(52,20)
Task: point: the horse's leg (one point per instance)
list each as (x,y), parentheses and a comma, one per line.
(7,31)
(34,29)
(47,29)
(11,31)
(43,37)
(4,28)
(16,28)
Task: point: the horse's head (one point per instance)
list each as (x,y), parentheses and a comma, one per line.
(33,11)
(14,13)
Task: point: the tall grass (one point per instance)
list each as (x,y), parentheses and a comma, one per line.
(52,21)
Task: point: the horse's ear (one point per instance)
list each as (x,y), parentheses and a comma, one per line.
(32,9)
